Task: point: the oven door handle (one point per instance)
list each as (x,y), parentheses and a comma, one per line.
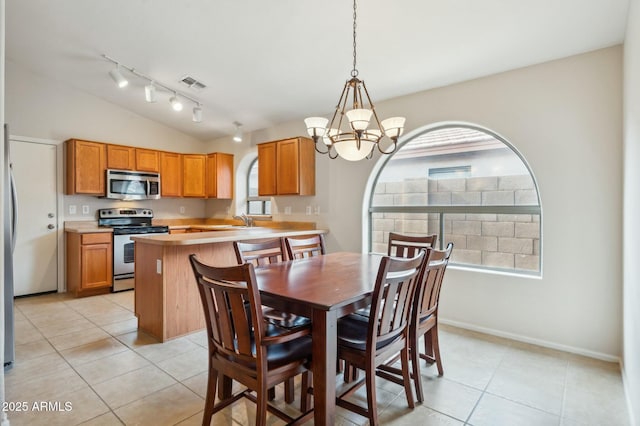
(148,188)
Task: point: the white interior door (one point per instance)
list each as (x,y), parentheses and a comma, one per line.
(35,258)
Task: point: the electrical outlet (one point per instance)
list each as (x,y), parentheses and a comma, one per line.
(287,210)
(316,210)
(182,210)
(308,210)
(85,209)
(159,266)
(73,209)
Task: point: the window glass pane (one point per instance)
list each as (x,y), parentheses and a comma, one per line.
(452,167)
(416,224)
(267,207)
(255,207)
(252,187)
(496,241)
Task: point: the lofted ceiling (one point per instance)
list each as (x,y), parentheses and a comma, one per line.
(269,61)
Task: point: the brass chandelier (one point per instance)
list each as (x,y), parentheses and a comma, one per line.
(352,138)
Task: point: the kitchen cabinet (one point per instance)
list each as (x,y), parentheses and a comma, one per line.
(287,167)
(170,174)
(193,175)
(147,160)
(121,157)
(86,162)
(219,175)
(89,263)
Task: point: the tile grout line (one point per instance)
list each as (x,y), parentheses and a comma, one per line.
(484,390)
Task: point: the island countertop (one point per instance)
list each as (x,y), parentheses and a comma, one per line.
(167,299)
(240,233)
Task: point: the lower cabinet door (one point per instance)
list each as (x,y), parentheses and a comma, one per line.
(97,265)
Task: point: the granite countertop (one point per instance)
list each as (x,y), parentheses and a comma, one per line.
(223,236)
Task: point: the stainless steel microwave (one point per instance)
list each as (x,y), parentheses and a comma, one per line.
(131,185)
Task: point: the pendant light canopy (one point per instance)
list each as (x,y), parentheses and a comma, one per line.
(355,137)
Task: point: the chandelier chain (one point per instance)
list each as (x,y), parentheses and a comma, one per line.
(354,72)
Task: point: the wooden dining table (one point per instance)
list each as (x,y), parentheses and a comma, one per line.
(323,288)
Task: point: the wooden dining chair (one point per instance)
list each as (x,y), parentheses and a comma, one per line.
(367,343)
(424,320)
(242,345)
(260,254)
(408,245)
(299,248)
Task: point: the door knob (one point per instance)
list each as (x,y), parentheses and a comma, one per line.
(51,226)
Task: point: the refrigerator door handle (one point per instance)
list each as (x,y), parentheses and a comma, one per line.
(14,211)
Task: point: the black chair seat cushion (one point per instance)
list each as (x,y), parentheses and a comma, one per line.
(287,352)
(352,333)
(285,319)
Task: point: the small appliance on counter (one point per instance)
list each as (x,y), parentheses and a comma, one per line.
(127,223)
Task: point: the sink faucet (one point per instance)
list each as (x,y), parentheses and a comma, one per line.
(248,221)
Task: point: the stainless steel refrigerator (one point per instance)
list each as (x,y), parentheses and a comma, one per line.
(10,216)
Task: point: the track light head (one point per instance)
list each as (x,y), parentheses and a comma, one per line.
(117,76)
(197,114)
(175,103)
(237,137)
(150,92)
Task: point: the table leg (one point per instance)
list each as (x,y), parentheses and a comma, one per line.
(325,341)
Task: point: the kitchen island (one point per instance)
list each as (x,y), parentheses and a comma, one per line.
(167,302)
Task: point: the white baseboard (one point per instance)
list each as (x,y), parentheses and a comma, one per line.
(627,394)
(538,342)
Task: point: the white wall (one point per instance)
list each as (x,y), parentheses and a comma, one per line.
(565,117)
(631,353)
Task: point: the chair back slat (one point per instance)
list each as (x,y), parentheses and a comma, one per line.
(392,297)
(408,245)
(428,293)
(260,253)
(300,248)
(230,297)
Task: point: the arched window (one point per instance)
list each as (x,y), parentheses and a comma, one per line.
(256,205)
(469,186)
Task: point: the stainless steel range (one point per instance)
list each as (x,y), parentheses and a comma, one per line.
(127,223)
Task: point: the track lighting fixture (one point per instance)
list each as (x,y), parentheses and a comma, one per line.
(175,102)
(117,76)
(237,137)
(197,114)
(152,87)
(150,92)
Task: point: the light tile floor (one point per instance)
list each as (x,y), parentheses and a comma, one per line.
(86,361)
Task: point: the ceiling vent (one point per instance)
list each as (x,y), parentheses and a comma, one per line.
(193,83)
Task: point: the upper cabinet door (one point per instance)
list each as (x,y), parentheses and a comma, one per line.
(86,165)
(219,175)
(121,157)
(147,160)
(288,167)
(170,174)
(267,169)
(193,175)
